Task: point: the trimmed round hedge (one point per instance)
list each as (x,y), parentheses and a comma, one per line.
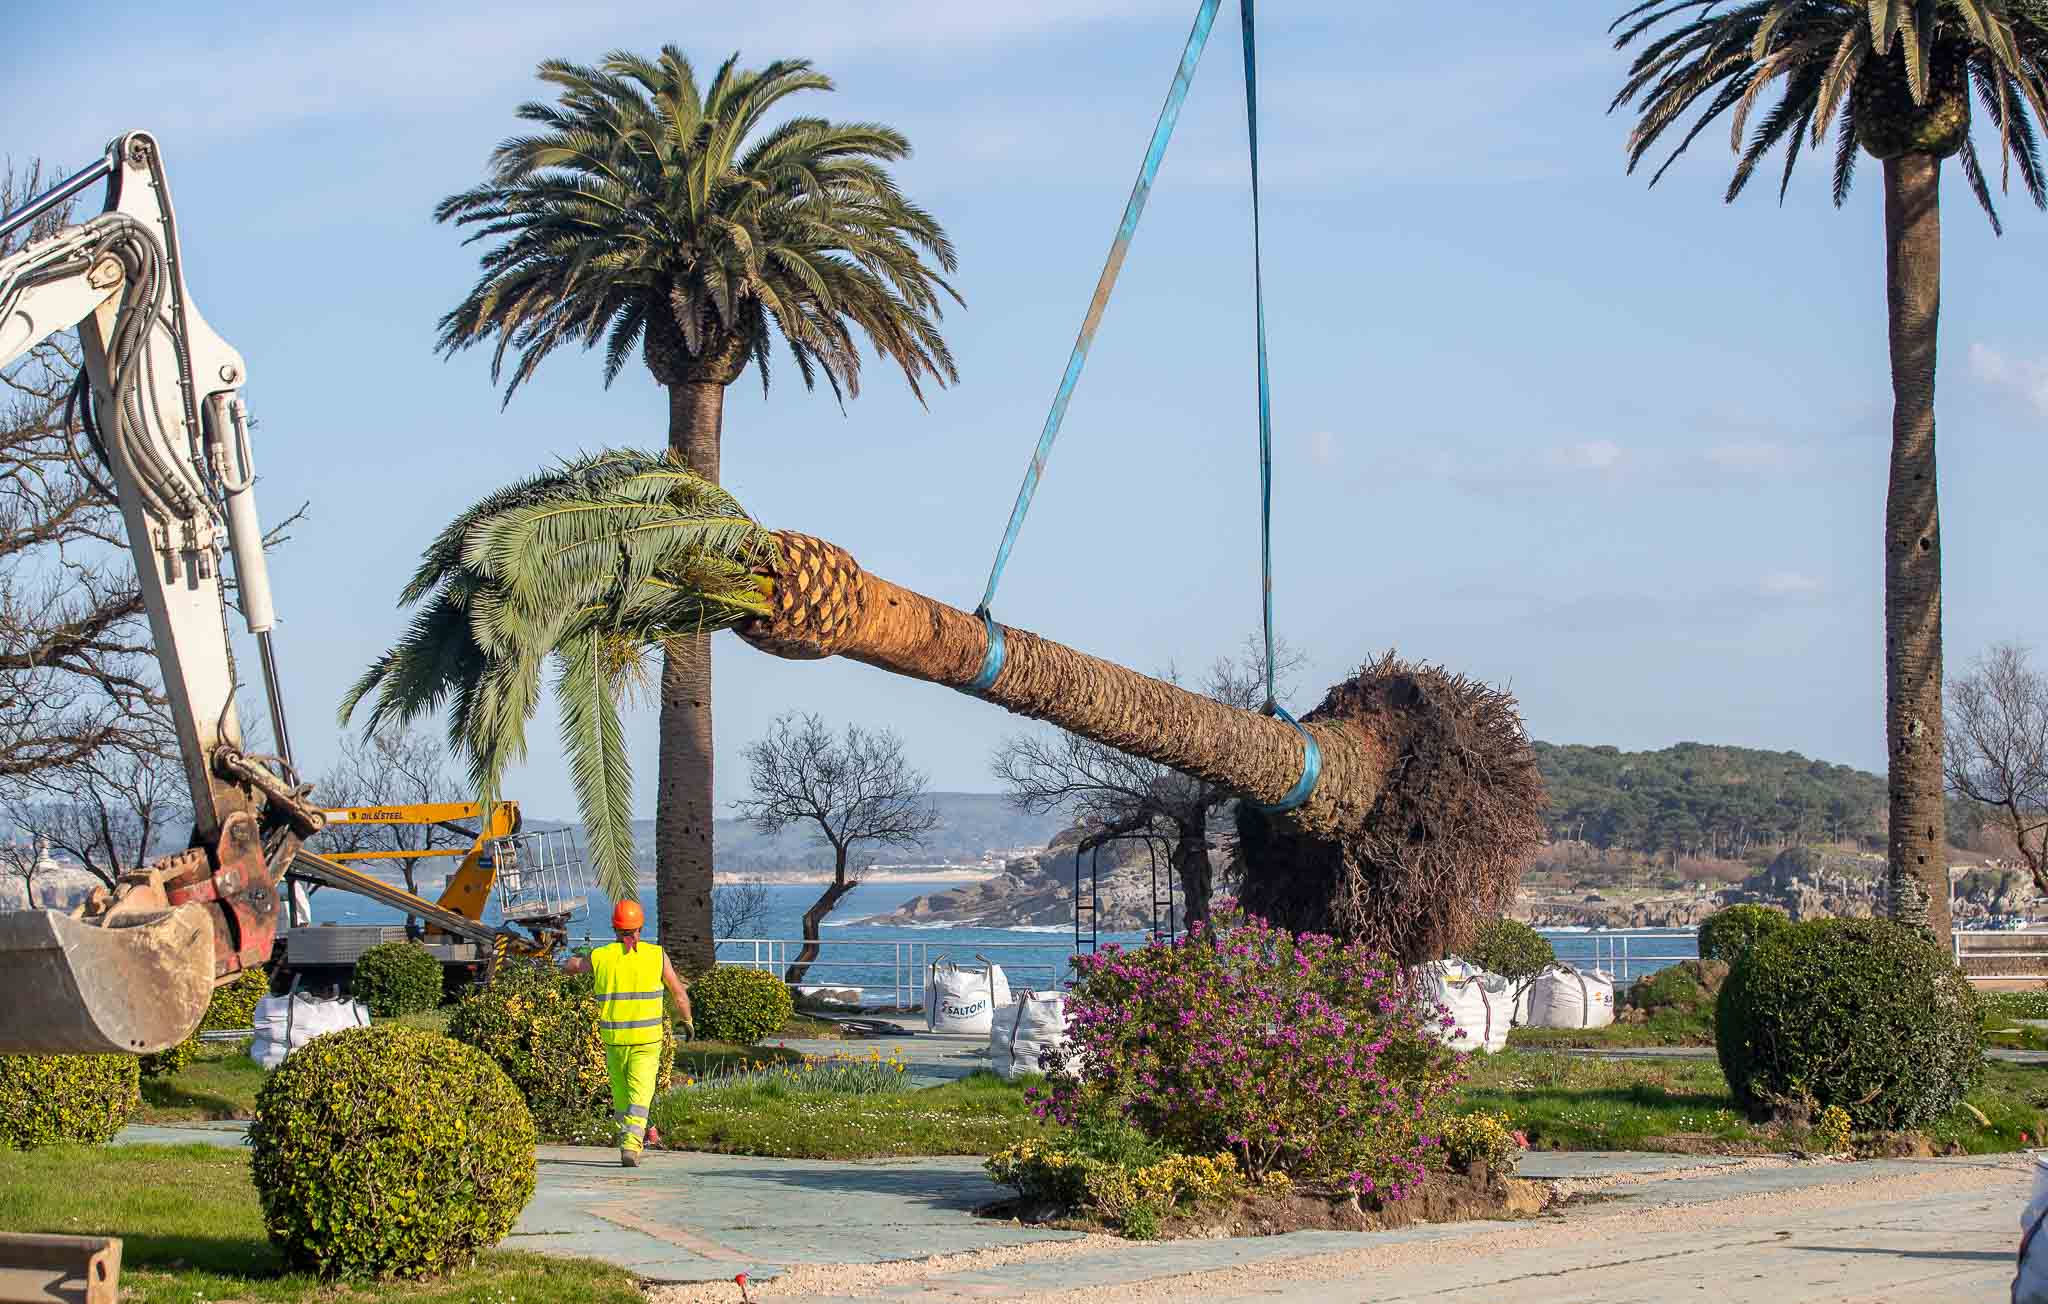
(395,978)
(739,1005)
(540,1026)
(45,1099)
(1511,949)
(1866,1014)
(1726,934)
(389,1152)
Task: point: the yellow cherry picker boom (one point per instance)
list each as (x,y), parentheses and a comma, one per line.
(160,403)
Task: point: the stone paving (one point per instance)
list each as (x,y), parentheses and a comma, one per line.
(702,1218)
(684,1218)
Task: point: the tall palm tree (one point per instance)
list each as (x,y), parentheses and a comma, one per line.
(1894,79)
(645,214)
(1427,804)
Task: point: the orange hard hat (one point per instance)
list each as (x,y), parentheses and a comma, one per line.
(627,914)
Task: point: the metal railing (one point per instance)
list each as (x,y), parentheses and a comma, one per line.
(2011,943)
(898,968)
(1623,958)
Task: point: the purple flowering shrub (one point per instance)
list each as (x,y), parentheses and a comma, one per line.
(1294,1054)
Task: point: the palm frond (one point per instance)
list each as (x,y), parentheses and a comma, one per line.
(590,563)
(638,198)
(1711,60)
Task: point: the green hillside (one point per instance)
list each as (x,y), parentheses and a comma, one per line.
(1698,800)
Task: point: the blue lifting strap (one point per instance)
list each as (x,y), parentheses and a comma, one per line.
(1312,755)
(1134,208)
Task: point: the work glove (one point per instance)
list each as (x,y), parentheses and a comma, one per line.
(686,1030)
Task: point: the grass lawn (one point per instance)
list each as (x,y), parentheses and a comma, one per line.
(975,1116)
(1565,1103)
(1664,1028)
(192,1232)
(221,1082)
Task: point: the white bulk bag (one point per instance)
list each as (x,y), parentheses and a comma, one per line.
(1564,997)
(1481,1004)
(285,1023)
(2031,1285)
(1022,1031)
(964,1000)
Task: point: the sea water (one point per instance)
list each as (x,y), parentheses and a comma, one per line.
(889,963)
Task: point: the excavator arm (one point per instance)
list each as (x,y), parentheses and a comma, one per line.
(133,968)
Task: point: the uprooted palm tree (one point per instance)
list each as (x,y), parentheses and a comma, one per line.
(1427,804)
(1894,78)
(647,214)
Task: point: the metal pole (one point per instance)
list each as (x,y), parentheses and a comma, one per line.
(55,198)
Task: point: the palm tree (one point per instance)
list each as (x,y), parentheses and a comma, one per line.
(1894,79)
(646,215)
(1427,804)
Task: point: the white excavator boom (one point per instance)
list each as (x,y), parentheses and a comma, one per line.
(133,968)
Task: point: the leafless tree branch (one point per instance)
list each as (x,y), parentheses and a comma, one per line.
(851,790)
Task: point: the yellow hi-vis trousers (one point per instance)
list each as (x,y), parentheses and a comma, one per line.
(632,1070)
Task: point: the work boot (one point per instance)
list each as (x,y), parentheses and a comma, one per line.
(628,1158)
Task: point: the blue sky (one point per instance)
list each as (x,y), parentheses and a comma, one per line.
(1620,449)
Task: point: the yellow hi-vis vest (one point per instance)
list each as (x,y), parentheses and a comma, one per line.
(628,993)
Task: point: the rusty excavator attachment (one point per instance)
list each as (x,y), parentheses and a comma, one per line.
(74,987)
(132,970)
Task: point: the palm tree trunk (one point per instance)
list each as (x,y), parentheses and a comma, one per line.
(825,605)
(683,809)
(814,920)
(1918,863)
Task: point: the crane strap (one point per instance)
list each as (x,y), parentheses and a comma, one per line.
(1134,208)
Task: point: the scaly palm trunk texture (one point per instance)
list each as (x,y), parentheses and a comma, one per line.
(826,605)
(1918,864)
(1429,801)
(683,861)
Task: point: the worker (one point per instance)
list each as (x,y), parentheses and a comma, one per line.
(629,1021)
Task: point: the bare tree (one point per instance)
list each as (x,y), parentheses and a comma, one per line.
(393,766)
(111,810)
(1996,752)
(1127,796)
(740,908)
(24,861)
(74,652)
(852,790)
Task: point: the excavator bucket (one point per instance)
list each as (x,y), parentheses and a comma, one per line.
(71,987)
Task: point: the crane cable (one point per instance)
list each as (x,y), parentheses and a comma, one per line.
(1134,208)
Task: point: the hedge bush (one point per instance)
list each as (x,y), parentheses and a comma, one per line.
(395,978)
(1726,934)
(1688,987)
(233,1006)
(1295,1054)
(739,1005)
(1512,949)
(1866,1014)
(389,1152)
(540,1026)
(1481,1140)
(45,1099)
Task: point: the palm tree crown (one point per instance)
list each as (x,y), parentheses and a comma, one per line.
(591,565)
(1893,76)
(645,213)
